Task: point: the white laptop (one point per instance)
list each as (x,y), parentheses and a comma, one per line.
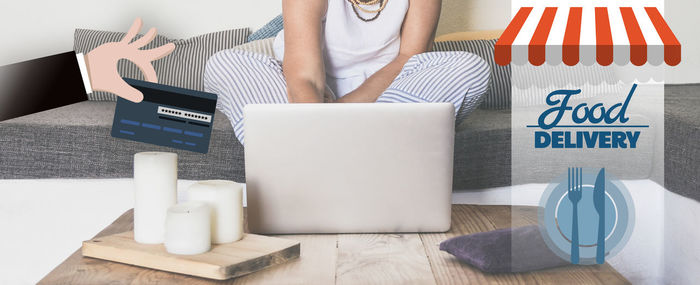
(349,168)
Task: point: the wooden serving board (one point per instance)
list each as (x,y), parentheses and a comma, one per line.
(223,261)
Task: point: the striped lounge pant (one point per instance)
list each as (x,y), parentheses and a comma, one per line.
(241,77)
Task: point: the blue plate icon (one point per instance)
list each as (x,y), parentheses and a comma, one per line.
(556,213)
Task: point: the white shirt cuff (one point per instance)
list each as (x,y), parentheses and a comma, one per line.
(84,72)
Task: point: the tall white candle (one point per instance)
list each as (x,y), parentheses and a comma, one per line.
(226,201)
(187,229)
(155,190)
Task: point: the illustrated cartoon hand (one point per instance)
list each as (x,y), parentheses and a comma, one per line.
(102,62)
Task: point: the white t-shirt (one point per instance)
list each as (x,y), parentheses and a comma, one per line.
(353,49)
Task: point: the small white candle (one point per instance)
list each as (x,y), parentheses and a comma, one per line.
(155,189)
(187,229)
(225,198)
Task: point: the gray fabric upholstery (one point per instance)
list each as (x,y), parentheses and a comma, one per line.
(74,142)
(682,140)
(482,150)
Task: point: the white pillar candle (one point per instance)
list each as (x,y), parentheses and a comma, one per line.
(155,190)
(225,198)
(187,228)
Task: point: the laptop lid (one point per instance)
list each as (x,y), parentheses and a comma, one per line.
(347,168)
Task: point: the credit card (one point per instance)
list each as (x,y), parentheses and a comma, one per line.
(168,116)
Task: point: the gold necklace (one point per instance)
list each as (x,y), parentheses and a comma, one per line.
(357,4)
(371,2)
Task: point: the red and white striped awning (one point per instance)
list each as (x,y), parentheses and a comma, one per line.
(588,35)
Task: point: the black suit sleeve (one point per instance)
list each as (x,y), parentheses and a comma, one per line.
(40,84)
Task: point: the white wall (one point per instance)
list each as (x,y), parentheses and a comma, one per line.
(463,15)
(35,28)
(685,23)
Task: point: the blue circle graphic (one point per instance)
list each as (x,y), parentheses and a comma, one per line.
(556,217)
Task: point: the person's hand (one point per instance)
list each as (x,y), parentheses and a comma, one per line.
(102,62)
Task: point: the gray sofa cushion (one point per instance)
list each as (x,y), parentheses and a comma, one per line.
(74,142)
(682,137)
(482,150)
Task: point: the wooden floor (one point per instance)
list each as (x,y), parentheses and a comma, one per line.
(356,259)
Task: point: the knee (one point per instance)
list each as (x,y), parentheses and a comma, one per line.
(464,63)
(239,58)
(470,61)
(226,60)
(458,61)
(220,58)
(217,64)
(233,63)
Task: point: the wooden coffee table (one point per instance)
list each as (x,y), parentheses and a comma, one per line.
(355,259)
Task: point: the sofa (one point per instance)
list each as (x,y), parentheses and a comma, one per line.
(74,141)
(682,137)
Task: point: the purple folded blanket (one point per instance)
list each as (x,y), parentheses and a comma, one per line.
(505,250)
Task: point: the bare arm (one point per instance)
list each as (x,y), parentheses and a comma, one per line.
(417,36)
(303,62)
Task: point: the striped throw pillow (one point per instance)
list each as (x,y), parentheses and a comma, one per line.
(264,46)
(182,68)
(497,97)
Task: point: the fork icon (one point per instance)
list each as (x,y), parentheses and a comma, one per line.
(574,194)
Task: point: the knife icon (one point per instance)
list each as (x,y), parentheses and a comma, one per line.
(599,204)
